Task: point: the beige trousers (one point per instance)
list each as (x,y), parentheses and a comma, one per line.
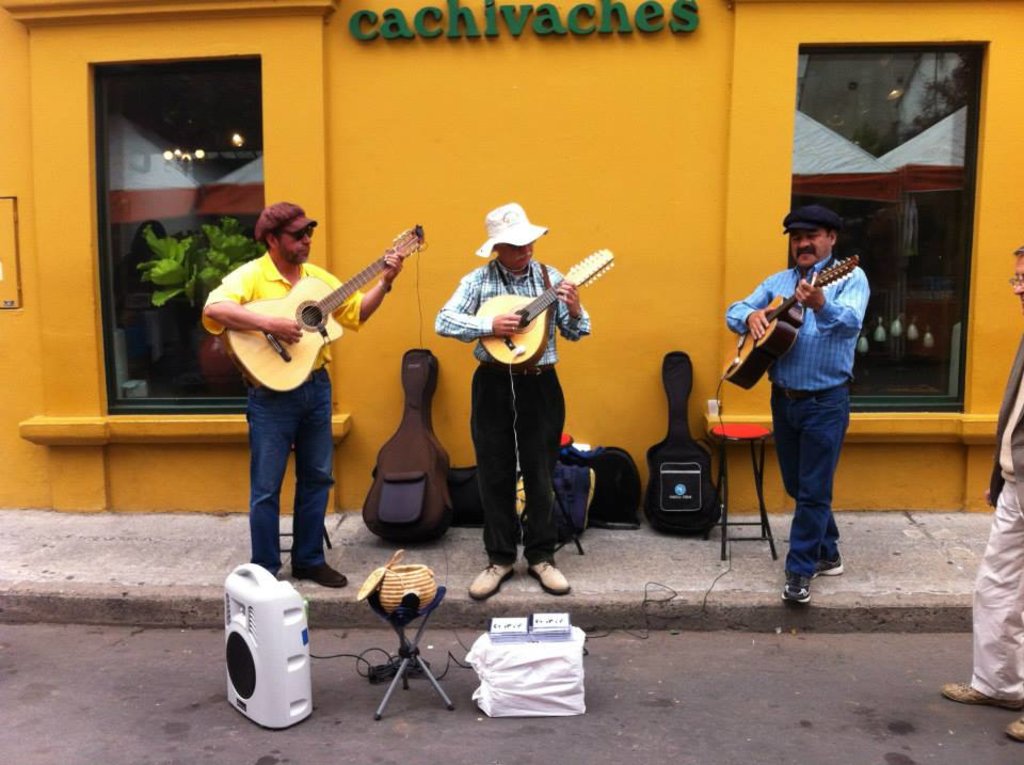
(999,604)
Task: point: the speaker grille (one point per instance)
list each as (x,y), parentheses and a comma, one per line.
(251,625)
(241,667)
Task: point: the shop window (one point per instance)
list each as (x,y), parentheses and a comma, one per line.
(886,138)
(180,176)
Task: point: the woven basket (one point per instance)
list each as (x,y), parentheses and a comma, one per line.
(401,580)
(393,582)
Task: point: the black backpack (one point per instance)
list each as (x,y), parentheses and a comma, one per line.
(464,489)
(617,488)
(681,498)
(572,500)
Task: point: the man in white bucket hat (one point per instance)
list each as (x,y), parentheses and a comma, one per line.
(518,410)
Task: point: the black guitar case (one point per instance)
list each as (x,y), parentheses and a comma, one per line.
(680,498)
(409,499)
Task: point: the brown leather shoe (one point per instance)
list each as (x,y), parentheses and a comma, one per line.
(962,693)
(1015,730)
(552,581)
(323,575)
(489,581)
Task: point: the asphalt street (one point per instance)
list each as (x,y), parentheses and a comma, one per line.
(82,695)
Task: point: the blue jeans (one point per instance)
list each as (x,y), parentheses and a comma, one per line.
(808,436)
(298,419)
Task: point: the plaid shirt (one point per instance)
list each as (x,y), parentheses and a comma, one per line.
(822,356)
(458,317)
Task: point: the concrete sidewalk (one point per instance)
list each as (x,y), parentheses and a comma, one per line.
(905,572)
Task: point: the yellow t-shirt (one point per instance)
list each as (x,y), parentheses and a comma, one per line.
(259,279)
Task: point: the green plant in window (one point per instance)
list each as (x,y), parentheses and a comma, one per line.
(189,266)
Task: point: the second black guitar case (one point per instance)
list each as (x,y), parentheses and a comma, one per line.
(680,497)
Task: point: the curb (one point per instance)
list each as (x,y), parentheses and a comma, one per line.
(741,612)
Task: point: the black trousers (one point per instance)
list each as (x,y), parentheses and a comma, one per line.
(528,411)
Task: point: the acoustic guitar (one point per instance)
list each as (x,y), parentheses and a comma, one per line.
(526,345)
(785,318)
(283,366)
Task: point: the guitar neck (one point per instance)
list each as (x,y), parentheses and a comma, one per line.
(538,305)
(336,299)
(582,273)
(544,300)
(782,310)
(838,272)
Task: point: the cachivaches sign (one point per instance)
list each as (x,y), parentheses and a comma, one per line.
(492,20)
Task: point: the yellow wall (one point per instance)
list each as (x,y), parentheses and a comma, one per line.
(23,478)
(672,150)
(617,143)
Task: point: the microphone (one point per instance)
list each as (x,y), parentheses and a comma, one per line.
(517,350)
(277,346)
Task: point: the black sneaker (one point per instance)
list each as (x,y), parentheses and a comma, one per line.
(323,575)
(829,567)
(797,589)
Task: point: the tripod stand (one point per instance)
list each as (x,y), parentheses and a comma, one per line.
(408,649)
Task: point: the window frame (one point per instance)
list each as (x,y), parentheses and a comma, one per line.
(117,404)
(910,402)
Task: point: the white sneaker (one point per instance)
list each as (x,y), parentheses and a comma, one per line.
(828,567)
(552,581)
(489,581)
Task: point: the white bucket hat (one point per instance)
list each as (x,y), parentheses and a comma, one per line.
(508,224)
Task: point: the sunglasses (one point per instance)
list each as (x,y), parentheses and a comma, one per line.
(302,233)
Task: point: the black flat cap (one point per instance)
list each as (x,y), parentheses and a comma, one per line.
(811,217)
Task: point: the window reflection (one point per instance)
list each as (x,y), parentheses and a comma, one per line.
(886,138)
(181,184)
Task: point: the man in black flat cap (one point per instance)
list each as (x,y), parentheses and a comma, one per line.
(296,420)
(810,387)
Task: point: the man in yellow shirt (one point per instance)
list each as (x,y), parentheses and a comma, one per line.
(298,419)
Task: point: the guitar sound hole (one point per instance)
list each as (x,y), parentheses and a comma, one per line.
(311,316)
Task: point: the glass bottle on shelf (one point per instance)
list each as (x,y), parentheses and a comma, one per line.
(912,333)
(929,340)
(879,335)
(896,328)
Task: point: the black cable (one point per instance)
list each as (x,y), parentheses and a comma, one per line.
(704,601)
(372,670)
(448,664)
(380,673)
(419,300)
(647,599)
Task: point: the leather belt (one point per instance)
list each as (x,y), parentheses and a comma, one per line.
(799,395)
(537,369)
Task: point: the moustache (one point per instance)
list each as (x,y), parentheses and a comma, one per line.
(805,251)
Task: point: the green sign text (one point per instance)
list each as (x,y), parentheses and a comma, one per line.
(455,20)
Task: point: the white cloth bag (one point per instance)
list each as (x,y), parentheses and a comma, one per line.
(529,679)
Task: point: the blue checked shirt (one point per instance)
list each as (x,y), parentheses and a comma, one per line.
(458,317)
(822,356)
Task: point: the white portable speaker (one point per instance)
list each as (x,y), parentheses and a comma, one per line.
(267,648)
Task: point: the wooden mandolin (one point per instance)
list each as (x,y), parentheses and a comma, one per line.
(527,345)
